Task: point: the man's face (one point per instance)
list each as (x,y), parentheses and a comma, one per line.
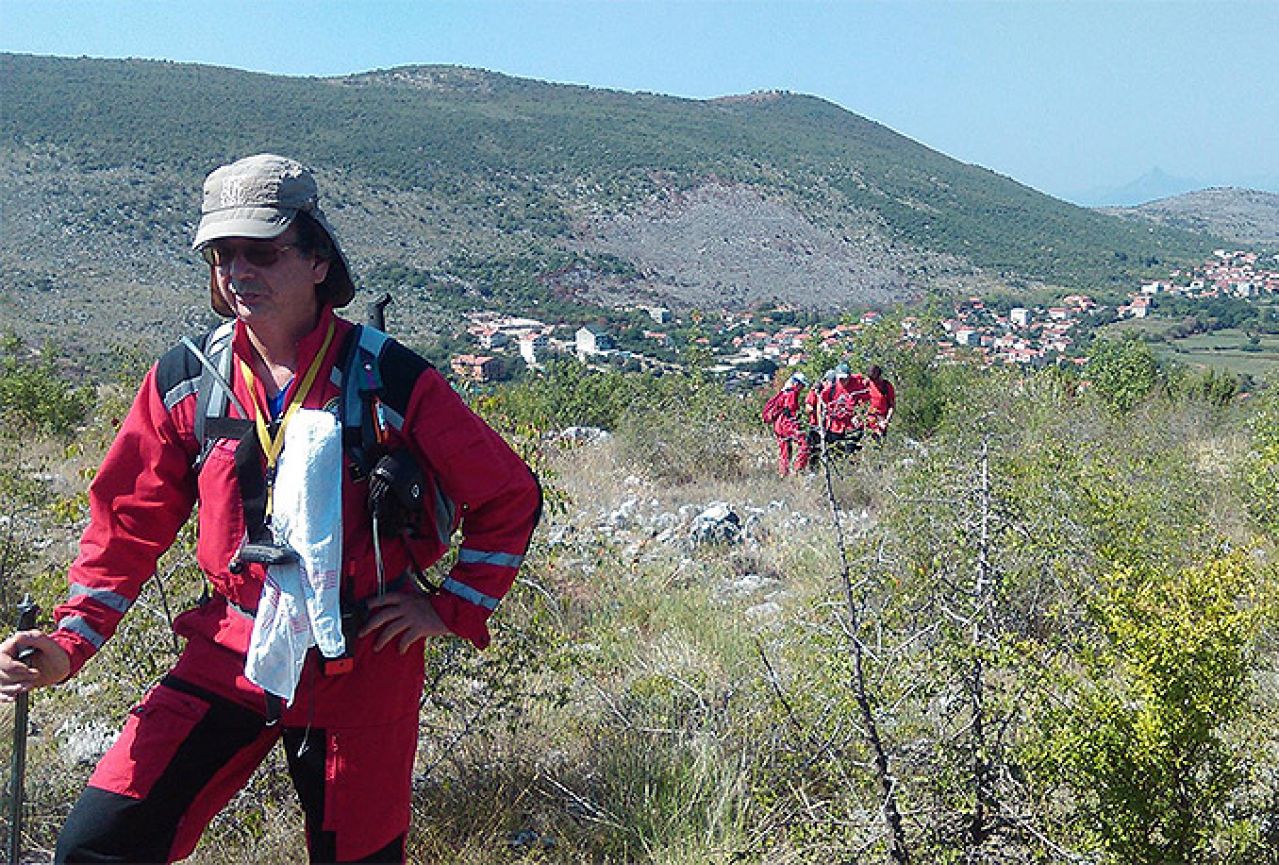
(268,282)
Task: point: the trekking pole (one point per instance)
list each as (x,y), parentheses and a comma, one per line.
(27,612)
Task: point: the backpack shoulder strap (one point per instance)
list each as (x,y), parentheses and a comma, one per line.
(211,396)
(378,377)
(361,374)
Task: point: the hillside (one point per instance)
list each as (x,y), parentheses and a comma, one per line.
(511,192)
(1248,217)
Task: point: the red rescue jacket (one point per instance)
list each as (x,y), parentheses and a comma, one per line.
(785,412)
(846,399)
(147,486)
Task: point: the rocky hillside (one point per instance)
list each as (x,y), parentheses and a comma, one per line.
(503,192)
(1245,216)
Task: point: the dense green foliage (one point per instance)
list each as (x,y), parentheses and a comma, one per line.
(523,157)
(1123,372)
(1146,737)
(34,397)
(1199,315)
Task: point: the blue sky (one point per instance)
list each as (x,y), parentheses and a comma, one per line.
(1064,96)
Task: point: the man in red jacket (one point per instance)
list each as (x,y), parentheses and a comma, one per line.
(783,411)
(837,408)
(347,709)
(847,409)
(882,402)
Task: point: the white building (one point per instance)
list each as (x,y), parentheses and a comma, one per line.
(533,347)
(592,339)
(491,338)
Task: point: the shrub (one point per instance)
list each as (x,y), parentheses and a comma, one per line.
(1142,737)
(1122,372)
(34,396)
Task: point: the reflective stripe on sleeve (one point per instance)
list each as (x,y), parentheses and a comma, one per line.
(467,593)
(114,600)
(479,557)
(77,625)
(180,391)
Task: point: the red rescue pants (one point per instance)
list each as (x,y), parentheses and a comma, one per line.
(792,453)
(190,746)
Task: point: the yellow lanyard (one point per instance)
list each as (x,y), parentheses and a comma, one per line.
(272,446)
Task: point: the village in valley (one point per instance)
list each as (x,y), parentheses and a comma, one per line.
(748,347)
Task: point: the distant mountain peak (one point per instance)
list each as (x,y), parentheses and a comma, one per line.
(1151,186)
(1241,216)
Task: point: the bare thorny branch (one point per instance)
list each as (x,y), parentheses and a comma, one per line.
(985,797)
(862,693)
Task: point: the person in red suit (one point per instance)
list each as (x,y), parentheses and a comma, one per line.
(247,679)
(783,411)
(882,402)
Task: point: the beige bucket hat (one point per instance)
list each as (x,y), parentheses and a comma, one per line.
(259,197)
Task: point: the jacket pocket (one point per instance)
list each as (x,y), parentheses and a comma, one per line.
(368,782)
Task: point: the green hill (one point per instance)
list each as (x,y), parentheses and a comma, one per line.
(454,180)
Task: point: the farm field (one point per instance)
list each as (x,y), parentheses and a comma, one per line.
(1221,350)
(1224,349)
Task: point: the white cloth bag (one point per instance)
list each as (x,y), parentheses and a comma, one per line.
(300,605)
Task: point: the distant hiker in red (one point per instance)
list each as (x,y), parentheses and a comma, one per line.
(883,402)
(846,405)
(839,409)
(782,411)
(817,403)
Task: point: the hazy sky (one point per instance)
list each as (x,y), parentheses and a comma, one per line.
(1064,96)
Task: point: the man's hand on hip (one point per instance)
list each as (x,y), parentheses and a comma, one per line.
(409,617)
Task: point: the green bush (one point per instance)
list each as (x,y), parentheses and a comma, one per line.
(1122,372)
(568,394)
(1142,739)
(35,396)
(688,428)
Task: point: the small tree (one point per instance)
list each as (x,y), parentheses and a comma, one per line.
(1123,372)
(1142,737)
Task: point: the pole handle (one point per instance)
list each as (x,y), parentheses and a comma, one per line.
(27,612)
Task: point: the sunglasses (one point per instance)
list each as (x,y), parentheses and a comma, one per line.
(259,253)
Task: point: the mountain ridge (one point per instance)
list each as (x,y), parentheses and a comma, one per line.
(489,185)
(1247,217)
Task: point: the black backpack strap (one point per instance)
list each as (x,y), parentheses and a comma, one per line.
(378,378)
(248,471)
(211,397)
